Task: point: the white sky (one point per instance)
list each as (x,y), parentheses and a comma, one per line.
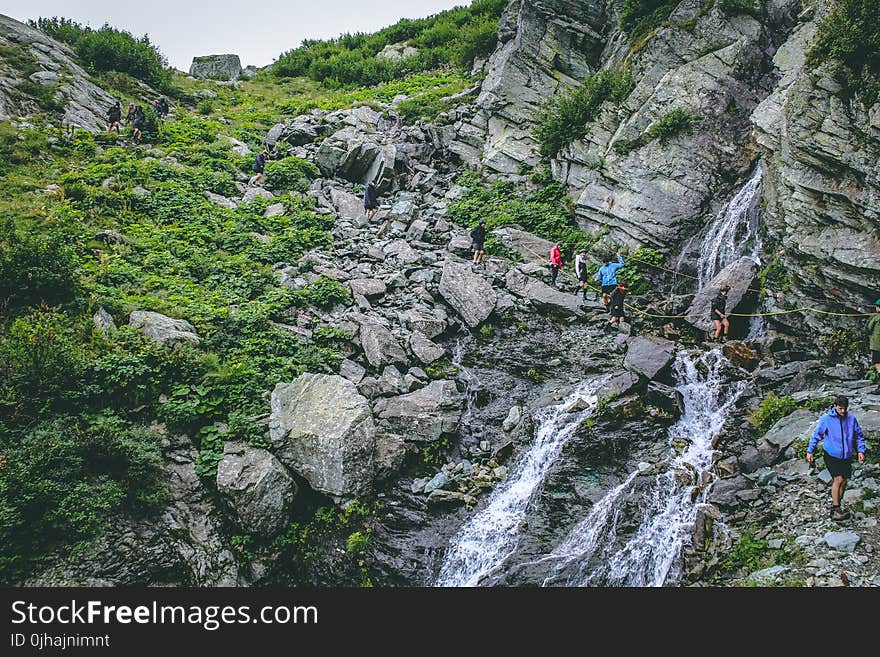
(255,30)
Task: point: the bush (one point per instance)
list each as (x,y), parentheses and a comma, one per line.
(323,292)
(61,481)
(36,269)
(565,117)
(667,126)
(735,7)
(850,37)
(109,49)
(638,17)
(291,173)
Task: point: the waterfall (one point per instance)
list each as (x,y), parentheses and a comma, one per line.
(651,556)
(472,431)
(733,233)
(490,536)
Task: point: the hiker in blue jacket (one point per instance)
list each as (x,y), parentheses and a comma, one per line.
(842,436)
(607,276)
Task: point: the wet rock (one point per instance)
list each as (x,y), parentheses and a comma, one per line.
(451,497)
(724,492)
(666,397)
(740,355)
(514,416)
(740,275)
(438,481)
(424,415)
(649,356)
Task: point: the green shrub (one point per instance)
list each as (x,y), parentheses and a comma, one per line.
(46,95)
(735,7)
(291,173)
(61,481)
(850,38)
(109,49)
(638,17)
(770,411)
(640,264)
(666,127)
(565,117)
(323,292)
(36,269)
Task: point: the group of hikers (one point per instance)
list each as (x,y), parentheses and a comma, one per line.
(135,117)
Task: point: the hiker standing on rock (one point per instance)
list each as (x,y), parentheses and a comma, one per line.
(718,313)
(874,342)
(617,308)
(258,167)
(478,235)
(555,263)
(114,118)
(607,277)
(371,200)
(841,436)
(580,270)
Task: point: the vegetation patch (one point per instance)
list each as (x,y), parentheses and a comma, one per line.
(773,408)
(666,127)
(640,17)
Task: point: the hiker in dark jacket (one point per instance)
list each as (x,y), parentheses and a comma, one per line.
(162,108)
(478,236)
(114,118)
(718,313)
(874,341)
(616,305)
(129,117)
(842,436)
(138,122)
(258,167)
(371,200)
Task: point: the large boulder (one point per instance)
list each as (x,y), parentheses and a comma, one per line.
(354,154)
(649,356)
(216,67)
(397,52)
(259,488)
(165,330)
(424,349)
(321,427)
(542,295)
(740,276)
(528,246)
(379,345)
(470,294)
(797,425)
(425,414)
(348,206)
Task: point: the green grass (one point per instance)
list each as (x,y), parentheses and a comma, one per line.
(667,126)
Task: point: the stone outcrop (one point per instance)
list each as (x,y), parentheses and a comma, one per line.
(323,429)
(740,276)
(216,67)
(84,104)
(472,296)
(165,330)
(425,414)
(397,51)
(649,356)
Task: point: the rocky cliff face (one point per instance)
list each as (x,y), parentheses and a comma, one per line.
(29,57)
(822,184)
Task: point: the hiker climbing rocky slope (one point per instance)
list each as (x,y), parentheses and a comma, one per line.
(278,390)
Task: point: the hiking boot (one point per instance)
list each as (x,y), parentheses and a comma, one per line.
(839,514)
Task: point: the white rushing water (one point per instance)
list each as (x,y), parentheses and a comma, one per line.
(651,556)
(734,232)
(491,535)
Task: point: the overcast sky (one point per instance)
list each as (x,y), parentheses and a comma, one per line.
(255,30)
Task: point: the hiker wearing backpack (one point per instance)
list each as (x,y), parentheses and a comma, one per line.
(616,306)
(478,237)
(371,200)
(138,123)
(258,167)
(114,118)
(607,277)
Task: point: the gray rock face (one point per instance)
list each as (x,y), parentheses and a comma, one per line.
(790,428)
(649,356)
(182,546)
(368,287)
(163,329)
(322,428)
(740,275)
(259,488)
(822,183)
(530,247)
(380,346)
(103,322)
(85,105)
(724,492)
(470,294)
(425,414)
(348,206)
(542,295)
(216,67)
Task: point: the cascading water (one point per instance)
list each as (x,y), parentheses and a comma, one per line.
(733,233)
(491,535)
(651,556)
(470,431)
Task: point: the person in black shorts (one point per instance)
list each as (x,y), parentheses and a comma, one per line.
(616,305)
(841,437)
(580,270)
(259,166)
(114,118)
(478,236)
(718,313)
(874,342)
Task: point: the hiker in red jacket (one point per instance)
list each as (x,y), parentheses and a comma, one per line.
(555,263)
